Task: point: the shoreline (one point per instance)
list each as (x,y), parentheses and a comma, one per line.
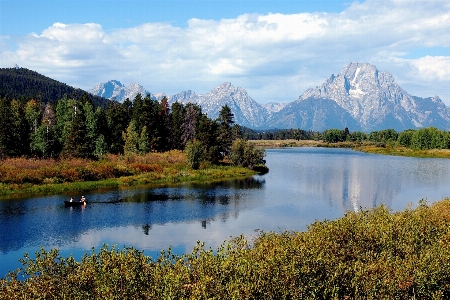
(368,147)
(166,176)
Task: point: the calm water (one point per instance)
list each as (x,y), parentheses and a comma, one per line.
(303,185)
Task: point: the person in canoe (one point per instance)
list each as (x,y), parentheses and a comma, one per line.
(82,199)
(71,199)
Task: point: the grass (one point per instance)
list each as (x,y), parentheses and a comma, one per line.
(368,147)
(286,143)
(20,177)
(403,151)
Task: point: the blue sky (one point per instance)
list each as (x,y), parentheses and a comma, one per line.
(274,49)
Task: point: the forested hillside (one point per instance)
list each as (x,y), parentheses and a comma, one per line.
(21,83)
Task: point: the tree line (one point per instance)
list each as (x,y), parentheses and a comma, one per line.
(77,128)
(417,139)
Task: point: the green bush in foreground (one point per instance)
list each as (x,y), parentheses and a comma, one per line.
(373,254)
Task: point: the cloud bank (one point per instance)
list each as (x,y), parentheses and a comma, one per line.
(275,57)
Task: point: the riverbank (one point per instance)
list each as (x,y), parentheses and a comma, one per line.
(21,177)
(367,147)
(402,151)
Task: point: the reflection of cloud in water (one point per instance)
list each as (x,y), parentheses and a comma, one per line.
(352,180)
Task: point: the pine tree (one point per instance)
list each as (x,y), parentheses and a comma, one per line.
(119,117)
(163,126)
(225,136)
(6,121)
(76,143)
(190,122)
(144,145)
(101,147)
(20,134)
(176,123)
(131,138)
(91,129)
(101,126)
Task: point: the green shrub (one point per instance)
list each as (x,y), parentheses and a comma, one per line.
(373,254)
(246,154)
(195,153)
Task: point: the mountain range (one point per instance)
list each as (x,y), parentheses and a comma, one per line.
(360,98)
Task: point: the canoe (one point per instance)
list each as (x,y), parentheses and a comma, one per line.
(74,203)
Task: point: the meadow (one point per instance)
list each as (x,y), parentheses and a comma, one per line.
(23,176)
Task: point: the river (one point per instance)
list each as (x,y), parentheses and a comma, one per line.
(303,185)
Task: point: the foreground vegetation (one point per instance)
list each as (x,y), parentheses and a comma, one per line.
(21,176)
(374,254)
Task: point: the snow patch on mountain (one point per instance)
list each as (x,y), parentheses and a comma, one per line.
(360,97)
(374,99)
(115,90)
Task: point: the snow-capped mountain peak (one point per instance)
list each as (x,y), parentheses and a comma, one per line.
(360,97)
(115,90)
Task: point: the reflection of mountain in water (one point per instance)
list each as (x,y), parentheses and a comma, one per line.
(350,180)
(45,221)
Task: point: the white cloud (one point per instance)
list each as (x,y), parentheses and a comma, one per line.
(433,67)
(284,52)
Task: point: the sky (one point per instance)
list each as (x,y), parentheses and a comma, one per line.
(275,50)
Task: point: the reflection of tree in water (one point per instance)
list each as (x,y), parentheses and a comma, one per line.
(146,228)
(38,221)
(205,192)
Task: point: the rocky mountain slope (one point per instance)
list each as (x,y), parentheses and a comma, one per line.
(115,90)
(375,101)
(360,98)
(247,112)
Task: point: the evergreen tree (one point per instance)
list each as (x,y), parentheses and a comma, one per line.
(76,144)
(176,123)
(190,122)
(206,134)
(225,136)
(20,134)
(118,116)
(91,130)
(6,121)
(101,126)
(131,138)
(144,145)
(163,126)
(149,117)
(137,114)
(101,147)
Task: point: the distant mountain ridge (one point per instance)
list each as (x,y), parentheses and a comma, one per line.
(247,112)
(360,98)
(115,90)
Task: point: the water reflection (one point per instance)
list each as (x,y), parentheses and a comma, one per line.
(349,180)
(45,221)
(303,185)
